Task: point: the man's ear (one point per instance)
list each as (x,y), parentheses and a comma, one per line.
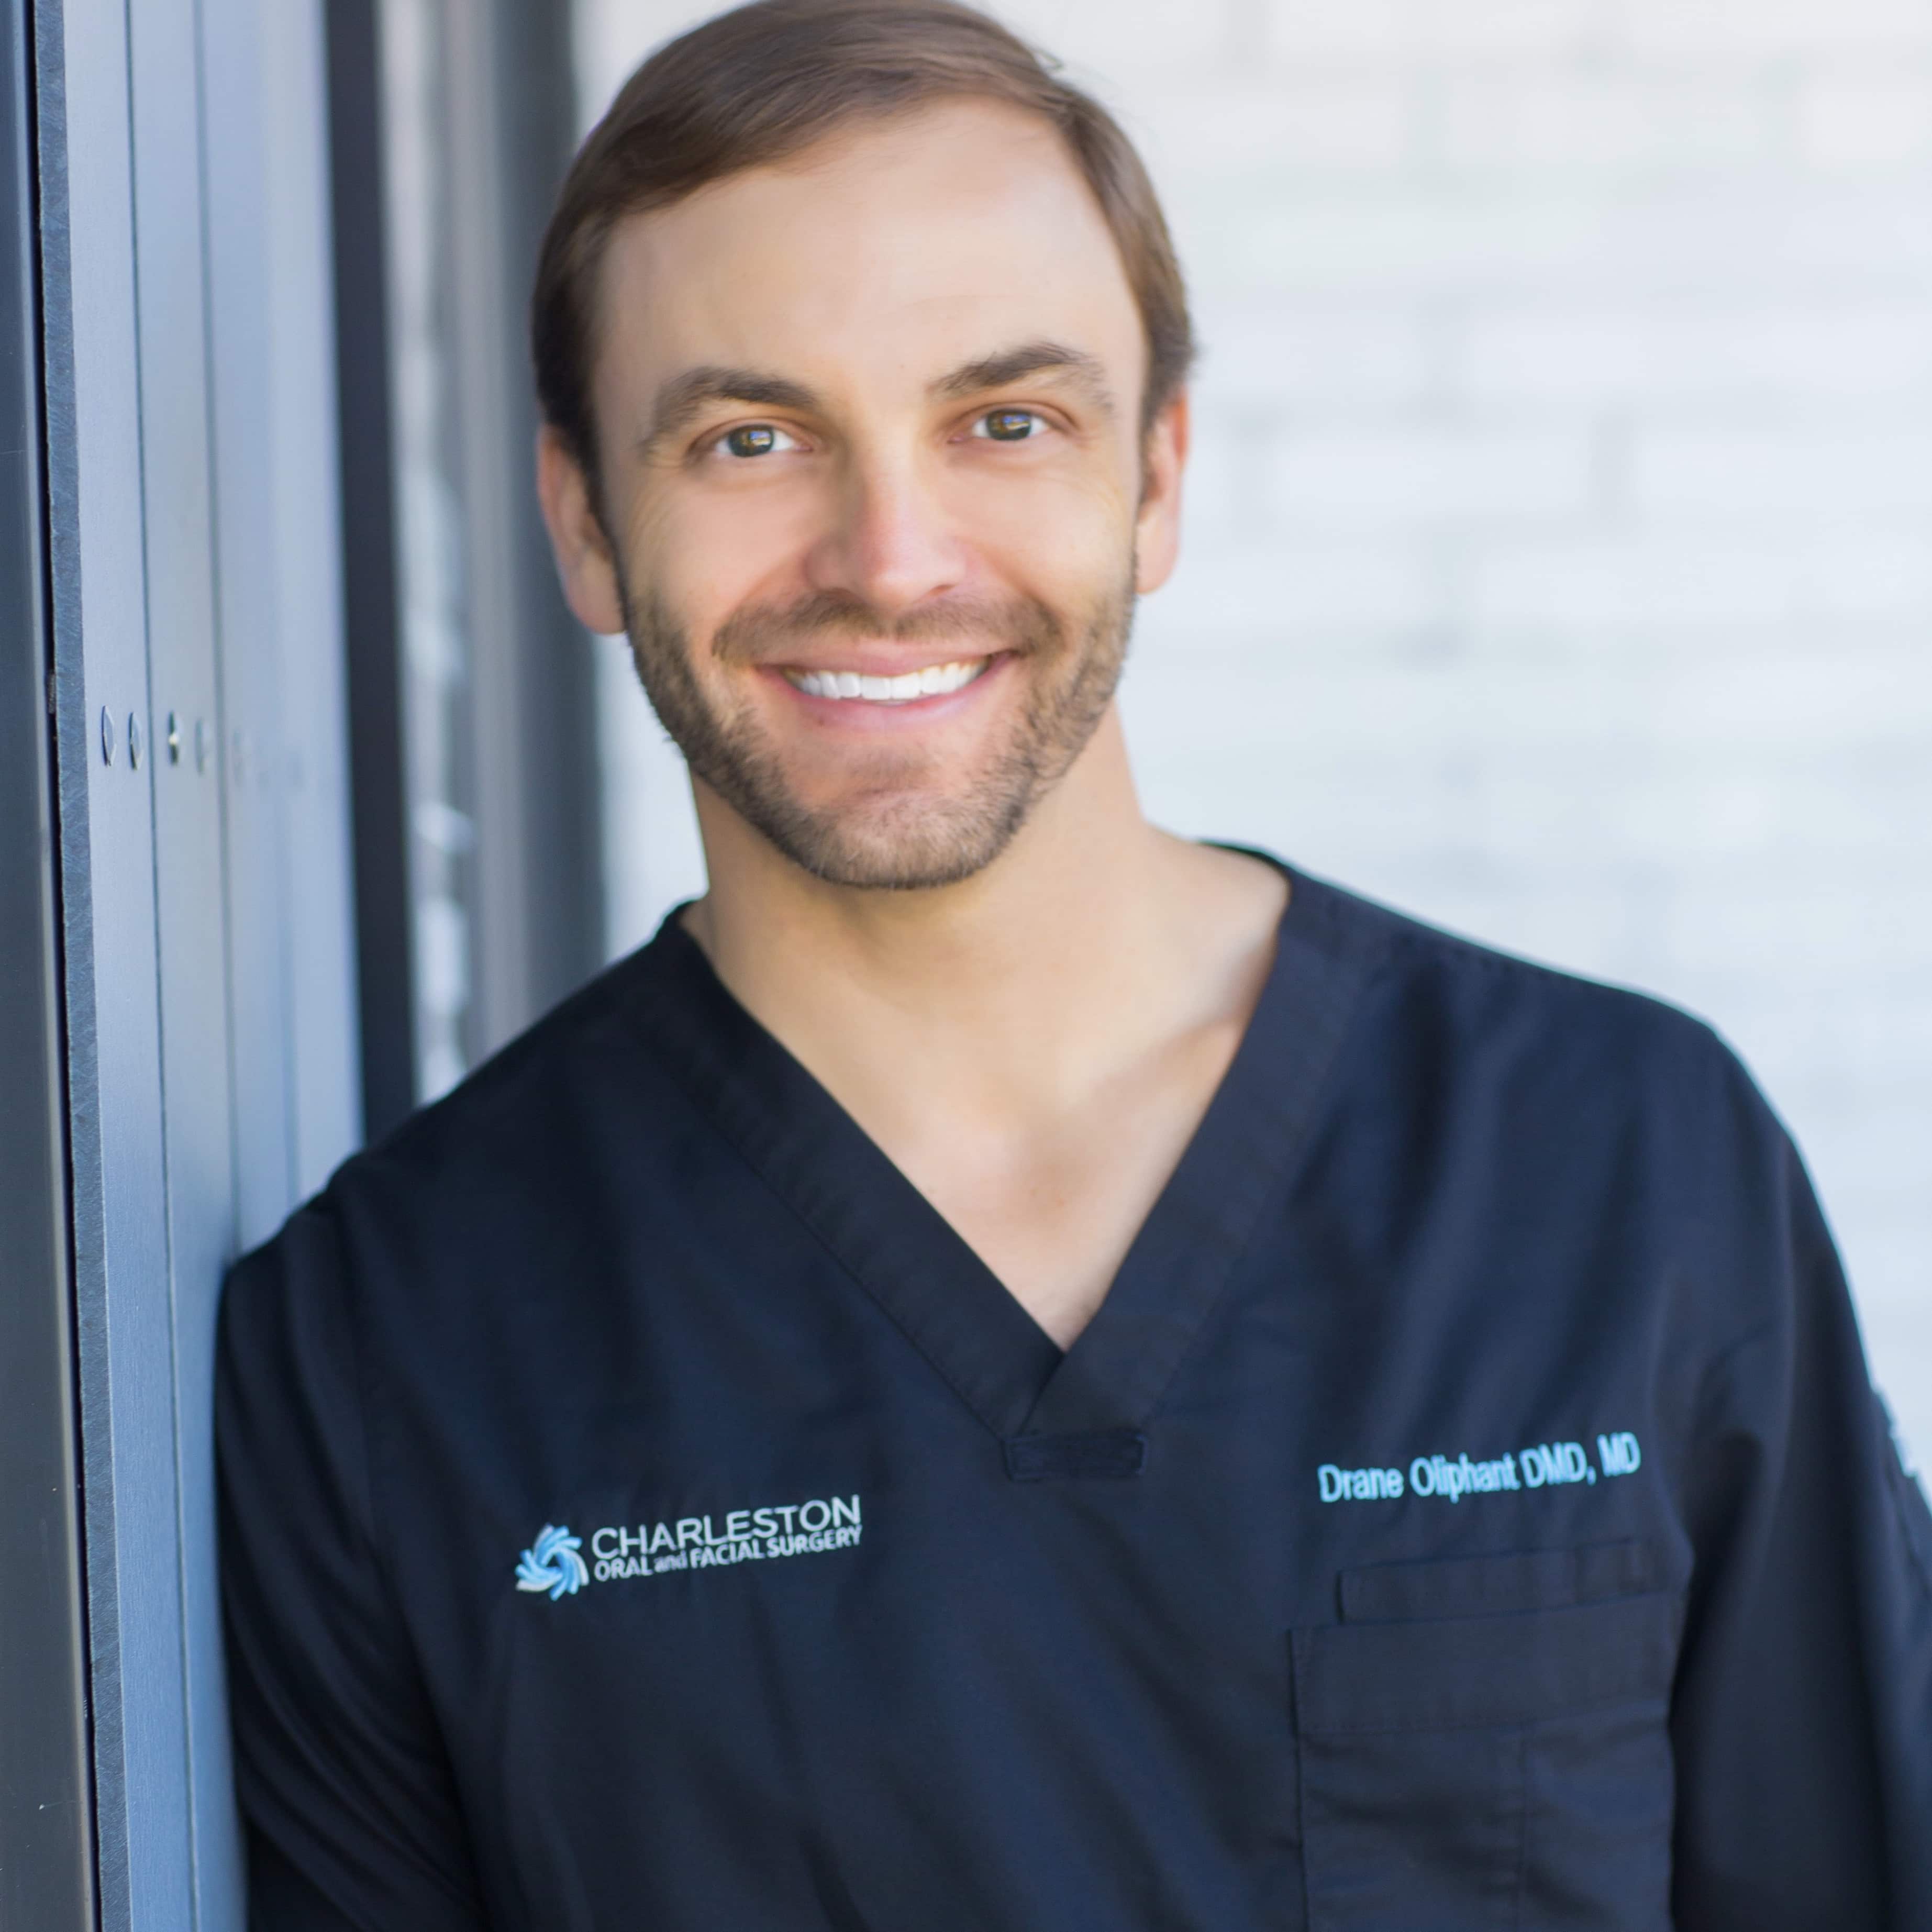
(584,564)
(1157,525)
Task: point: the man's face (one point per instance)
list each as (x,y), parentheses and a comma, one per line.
(877,501)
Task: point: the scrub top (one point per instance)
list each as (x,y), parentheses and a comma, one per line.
(1468,1509)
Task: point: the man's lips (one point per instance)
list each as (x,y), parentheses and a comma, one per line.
(939,680)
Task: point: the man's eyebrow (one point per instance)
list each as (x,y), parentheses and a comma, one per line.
(1031,358)
(683,396)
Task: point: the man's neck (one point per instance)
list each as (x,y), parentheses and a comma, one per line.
(1012,981)
(1033,1049)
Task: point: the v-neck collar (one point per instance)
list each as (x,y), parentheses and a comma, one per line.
(920,1270)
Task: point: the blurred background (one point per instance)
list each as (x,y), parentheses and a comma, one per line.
(1558,556)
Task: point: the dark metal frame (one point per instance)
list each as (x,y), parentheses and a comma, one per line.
(371,618)
(46,1833)
(511,101)
(509,123)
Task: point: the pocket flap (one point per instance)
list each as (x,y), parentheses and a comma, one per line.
(1483,1586)
(1448,1673)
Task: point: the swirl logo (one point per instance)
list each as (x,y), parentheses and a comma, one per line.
(551,1563)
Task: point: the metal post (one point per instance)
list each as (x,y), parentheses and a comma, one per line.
(47,1823)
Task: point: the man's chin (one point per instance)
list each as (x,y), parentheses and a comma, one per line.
(901,844)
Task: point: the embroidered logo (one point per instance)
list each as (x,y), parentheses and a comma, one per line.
(777,1530)
(552,1564)
(621,1551)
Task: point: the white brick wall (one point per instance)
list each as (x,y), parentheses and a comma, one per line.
(1559,562)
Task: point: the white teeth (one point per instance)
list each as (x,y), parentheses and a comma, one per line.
(934,681)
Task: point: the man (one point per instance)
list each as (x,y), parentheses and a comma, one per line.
(1009,1371)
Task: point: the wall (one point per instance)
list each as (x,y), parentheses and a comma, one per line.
(1559,561)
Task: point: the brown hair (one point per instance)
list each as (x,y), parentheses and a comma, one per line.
(754,86)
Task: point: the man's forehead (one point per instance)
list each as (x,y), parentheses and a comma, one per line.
(915,244)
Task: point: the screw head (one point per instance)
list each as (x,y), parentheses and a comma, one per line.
(106,736)
(173,740)
(134,741)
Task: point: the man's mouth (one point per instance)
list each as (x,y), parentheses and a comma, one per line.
(933,681)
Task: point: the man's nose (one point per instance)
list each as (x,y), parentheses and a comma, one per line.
(891,544)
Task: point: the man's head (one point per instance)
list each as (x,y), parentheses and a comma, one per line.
(860,342)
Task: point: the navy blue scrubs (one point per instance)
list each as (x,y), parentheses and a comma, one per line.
(1469,1508)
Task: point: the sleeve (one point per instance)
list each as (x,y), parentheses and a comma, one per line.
(345,1790)
(1803,1717)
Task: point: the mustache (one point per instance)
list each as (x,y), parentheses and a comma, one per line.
(757,634)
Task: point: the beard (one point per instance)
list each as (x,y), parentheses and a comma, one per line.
(914,820)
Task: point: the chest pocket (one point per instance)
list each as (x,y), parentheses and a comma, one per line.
(1483,1745)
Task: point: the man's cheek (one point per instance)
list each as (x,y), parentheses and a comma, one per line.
(703,577)
(1084,552)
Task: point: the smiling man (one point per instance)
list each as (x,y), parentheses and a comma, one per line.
(1009,1370)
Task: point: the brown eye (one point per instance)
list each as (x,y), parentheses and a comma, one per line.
(753,439)
(1008,425)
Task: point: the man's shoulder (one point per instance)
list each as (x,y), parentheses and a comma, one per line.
(511,1145)
(1440,1006)
(575,1071)
(1551,1109)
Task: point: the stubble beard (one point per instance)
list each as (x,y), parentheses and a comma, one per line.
(917,827)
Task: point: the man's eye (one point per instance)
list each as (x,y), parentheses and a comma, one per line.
(756,439)
(1008,425)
